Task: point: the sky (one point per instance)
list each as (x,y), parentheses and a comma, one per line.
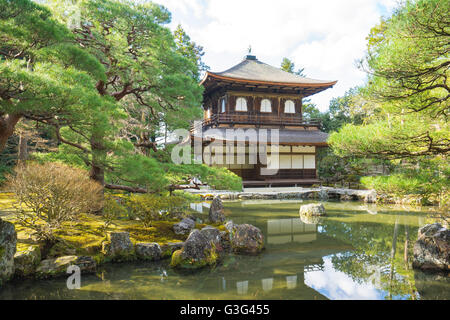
(326,37)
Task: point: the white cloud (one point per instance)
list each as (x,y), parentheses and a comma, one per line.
(325,37)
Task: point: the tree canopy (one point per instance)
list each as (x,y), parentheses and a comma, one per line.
(108,86)
(408,90)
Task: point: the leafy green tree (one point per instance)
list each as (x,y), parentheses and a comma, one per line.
(408,65)
(289,66)
(146,75)
(43,74)
(404,106)
(190,50)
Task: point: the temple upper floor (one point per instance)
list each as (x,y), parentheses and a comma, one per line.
(253,93)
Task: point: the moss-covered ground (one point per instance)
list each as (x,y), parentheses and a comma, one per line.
(86,235)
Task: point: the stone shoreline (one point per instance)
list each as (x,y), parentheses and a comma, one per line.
(322,193)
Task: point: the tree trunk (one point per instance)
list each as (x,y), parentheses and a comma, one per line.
(97,172)
(7,124)
(23,148)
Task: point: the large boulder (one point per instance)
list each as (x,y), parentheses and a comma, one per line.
(432,248)
(201,248)
(57,267)
(216,211)
(246,239)
(184,226)
(310,219)
(8,240)
(212,234)
(26,261)
(119,247)
(148,251)
(225,241)
(312,209)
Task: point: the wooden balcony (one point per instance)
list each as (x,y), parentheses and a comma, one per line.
(257,120)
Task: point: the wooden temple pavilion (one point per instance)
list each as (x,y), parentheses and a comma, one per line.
(255,95)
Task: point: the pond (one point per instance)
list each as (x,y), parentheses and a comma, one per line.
(358,251)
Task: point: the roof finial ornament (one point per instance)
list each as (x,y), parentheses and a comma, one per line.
(249,55)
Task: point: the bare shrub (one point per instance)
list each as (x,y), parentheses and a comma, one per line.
(52,193)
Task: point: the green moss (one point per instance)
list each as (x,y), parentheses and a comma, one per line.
(220,226)
(6,201)
(160,232)
(211,258)
(87,235)
(2,251)
(176,258)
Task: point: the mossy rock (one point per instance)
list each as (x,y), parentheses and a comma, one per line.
(54,267)
(211,258)
(201,249)
(57,267)
(148,251)
(168,249)
(26,261)
(246,239)
(312,209)
(8,241)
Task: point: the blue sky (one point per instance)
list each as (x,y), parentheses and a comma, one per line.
(325,37)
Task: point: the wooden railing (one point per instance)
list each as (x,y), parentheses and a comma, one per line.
(257,119)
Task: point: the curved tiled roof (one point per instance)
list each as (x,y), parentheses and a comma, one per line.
(253,70)
(286,136)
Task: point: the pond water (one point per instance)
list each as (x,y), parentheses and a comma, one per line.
(357,252)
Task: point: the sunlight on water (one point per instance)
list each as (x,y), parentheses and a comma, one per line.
(346,255)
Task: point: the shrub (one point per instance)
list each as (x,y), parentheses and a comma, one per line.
(429,179)
(396,184)
(151,207)
(52,193)
(112,210)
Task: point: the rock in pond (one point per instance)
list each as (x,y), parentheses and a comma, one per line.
(26,261)
(216,211)
(225,241)
(119,247)
(310,219)
(432,248)
(202,248)
(148,251)
(246,239)
(8,240)
(58,266)
(312,209)
(184,226)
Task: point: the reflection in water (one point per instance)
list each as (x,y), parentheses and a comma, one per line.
(281,231)
(198,206)
(291,282)
(337,285)
(349,254)
(267,284)
(242,287)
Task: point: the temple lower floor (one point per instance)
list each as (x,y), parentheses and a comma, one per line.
(286,165)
